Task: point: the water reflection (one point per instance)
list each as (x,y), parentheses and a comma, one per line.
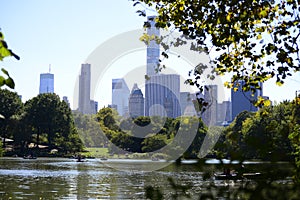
(57,178)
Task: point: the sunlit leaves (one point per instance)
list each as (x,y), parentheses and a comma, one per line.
(262,102)
(8,81)
(5,52)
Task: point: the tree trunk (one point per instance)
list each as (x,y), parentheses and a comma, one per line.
(38,138)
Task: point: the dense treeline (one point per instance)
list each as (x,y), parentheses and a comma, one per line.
(43,121)
(150,134)
(272,133)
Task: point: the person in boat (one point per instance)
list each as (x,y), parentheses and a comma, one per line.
(227,172)
(79,158)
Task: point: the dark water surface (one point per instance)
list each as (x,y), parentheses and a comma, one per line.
(62,178)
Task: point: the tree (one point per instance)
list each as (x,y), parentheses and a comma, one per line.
(250,40)
(5,52)
(10,106)
(295,136)
(234,138)
(154,142)
(51,119)
(89,130)
(194,149)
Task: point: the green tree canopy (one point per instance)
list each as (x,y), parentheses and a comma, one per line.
(48,115)
(10,106)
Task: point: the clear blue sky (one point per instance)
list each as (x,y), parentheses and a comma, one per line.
(63,33)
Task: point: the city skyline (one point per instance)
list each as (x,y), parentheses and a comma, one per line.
(55,34)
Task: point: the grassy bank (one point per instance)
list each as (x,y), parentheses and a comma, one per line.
(99,152)
(96,152)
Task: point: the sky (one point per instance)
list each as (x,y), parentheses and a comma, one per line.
(64,34)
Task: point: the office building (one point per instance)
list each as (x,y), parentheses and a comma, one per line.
(120,96)
(187,104)
(162,95)
(152,48)
(94,106)
(163,92)
(113,106)
(211,97)
(224,113)
(65,99)
(242,100)
(85,104)
(136,102)
(46,83)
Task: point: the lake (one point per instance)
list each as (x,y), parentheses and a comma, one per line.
(63,178)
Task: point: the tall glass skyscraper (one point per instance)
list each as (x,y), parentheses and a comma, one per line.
(46,83)
(243,101)
(120,95)
(153,47)
(162,91)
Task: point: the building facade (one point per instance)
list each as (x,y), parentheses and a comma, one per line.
(120,96)
(65,99)
(243,101)
(85,104)
(224,113)
(153,47)
(163,92)
(136,102)
(187,104)
(211,97)
(46,83)
(162,95)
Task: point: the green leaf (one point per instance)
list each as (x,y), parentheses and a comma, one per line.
(2,81)
(259,37)
(5,72)
(10,83)
(267,102)
(279,83)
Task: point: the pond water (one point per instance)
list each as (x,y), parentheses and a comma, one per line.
(62,178)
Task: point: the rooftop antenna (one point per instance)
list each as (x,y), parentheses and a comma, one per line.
(49,68)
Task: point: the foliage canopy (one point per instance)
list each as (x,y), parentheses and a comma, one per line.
(5,52)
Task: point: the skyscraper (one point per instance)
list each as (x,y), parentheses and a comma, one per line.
(84,104)
(224,112)
(136,102)
(65,99)
(242,100)
(153,47)
(120,95)
(46,83)
(187,104)
(162,94)
(211,97)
